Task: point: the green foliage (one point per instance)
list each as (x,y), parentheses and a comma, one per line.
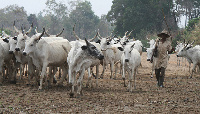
(191,24)
(137,15)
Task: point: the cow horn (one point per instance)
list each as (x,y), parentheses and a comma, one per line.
(130,33)
(99,36)
(126,33)
(47,33)
(36,30)
(22,29)
(94,37)
(41,34)
(15,28)
(60,32)
(29,29)
(75,32)
(87,42)
(4,34)
(193,42)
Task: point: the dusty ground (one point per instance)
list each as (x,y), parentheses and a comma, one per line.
(180,95)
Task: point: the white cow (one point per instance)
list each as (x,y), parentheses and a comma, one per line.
(80,58)
(95,63)
(5,58)
(112,55)
(130,61)
(192,54)
(46,54)
(178,48)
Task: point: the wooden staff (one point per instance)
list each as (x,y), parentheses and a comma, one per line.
(166,23)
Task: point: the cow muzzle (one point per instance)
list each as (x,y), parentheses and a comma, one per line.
(17,49)
(126,60)
(24,53)
(10,52)
(177,55)
(101,57)
(148,59)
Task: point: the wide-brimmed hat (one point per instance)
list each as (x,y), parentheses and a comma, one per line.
(164,32)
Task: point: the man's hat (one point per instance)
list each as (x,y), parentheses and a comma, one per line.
(164,32)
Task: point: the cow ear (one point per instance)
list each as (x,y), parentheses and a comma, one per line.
(84,47)
(108,43)
(133,45)
(6,40)
(124,43)
(98,41)
(120,48)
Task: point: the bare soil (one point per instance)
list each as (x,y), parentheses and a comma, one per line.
(180,94)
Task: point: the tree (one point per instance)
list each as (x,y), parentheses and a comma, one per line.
(140,15)
(85,19)
(13,13)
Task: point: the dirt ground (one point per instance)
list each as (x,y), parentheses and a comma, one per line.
(180,95)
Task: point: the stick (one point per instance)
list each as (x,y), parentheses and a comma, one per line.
(166,23)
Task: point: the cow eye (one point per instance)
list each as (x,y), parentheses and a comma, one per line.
(23,39)
(16,43)
(31,44)
(129,51)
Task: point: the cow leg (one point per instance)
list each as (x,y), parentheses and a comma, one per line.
(193,69)
(1,76)
(189,67)
(64,74)
(59,70)
(116,68)
(79,83)
(135,77)
(104,67)
(152,70)
(21,71)
(43,74)
(51,75)
(120,70)
(97,74)
(130,81)
(89,78)
(111,68)
(123,75)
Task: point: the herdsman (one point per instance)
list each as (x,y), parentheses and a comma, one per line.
(163,48)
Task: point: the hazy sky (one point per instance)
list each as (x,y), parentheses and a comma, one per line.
(35,6)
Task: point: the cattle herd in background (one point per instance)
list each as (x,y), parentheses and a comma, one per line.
(45,55)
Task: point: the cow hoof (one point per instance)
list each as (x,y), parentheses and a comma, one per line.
(60,85)
(40,88)
(13,82)
(26,74)
(28,84)
(54,81)
(71,95)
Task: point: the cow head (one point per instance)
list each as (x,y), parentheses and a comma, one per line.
(149,53)
(13,44)
(22,37)
(92,50)
(183,51)
(30,45)
(127,51)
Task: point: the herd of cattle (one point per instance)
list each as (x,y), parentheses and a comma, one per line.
(44,55)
